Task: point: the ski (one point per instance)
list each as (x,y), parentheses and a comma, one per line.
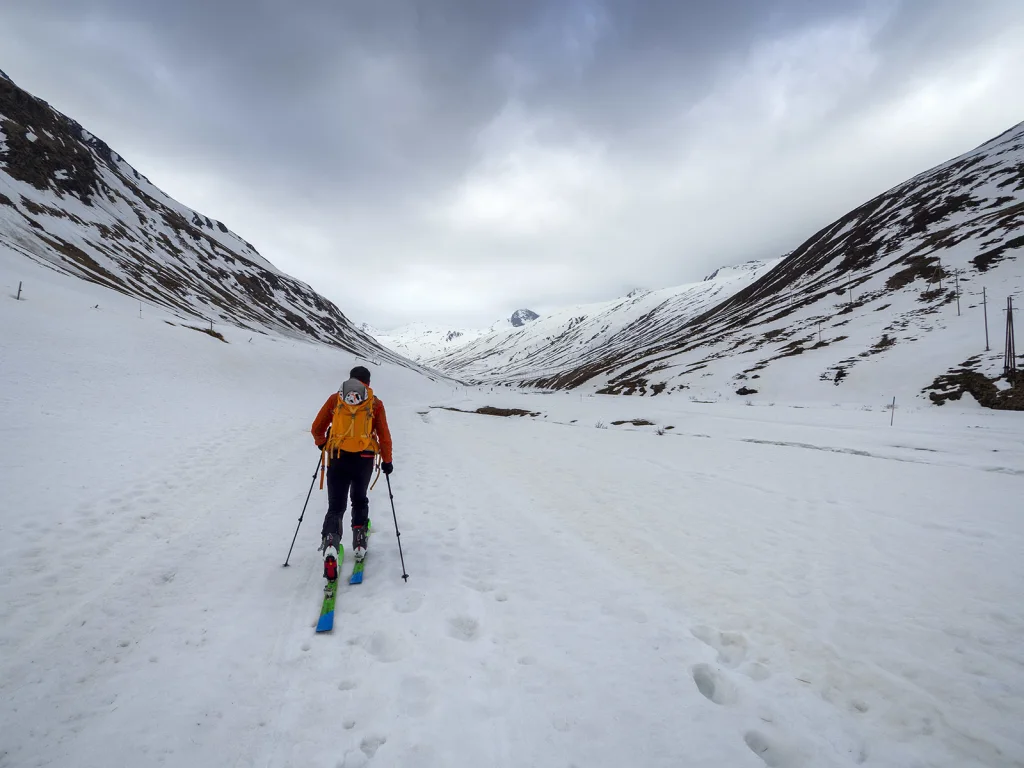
(357,573)
(326,622)
(357,569)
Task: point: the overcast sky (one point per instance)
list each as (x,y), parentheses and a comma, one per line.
(449,161)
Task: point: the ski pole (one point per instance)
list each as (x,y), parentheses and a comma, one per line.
(319,462)
(405,576)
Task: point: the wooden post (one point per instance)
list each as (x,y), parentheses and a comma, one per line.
(984,304)
(956,276)
(140,310)
(893,416)
(19,290)
(819,331)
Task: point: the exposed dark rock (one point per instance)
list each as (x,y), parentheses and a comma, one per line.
(523,316)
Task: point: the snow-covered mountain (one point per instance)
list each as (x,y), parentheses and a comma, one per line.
(870,303)
(574,336)
(420,341)
(69,201)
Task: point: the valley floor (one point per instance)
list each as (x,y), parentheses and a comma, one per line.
(781,586)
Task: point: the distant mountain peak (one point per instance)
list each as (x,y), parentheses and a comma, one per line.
(523,316)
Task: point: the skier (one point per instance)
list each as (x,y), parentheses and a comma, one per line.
(350,429)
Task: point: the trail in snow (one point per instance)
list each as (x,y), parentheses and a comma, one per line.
(577,596)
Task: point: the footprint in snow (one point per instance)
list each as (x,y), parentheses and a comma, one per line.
(713,685)
(416,695)
(371,744)
(731,646)
(381,646)
(775,752)
(561,724)
(755,670)
(464,628)
(478,585)
(408,602)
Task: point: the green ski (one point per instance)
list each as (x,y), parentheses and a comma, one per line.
(326,622)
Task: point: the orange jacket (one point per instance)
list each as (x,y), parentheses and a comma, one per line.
(322,423)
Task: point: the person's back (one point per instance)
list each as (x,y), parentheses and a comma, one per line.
(351,430)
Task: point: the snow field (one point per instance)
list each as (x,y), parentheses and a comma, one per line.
(782,586)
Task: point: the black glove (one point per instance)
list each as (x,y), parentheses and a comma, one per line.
(387,467)
(322,446)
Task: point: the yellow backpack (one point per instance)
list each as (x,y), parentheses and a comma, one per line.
(352,427)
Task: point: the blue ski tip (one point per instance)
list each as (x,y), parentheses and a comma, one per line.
(326,623)
(356,578)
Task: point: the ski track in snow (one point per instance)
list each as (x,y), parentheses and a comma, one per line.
(766,586)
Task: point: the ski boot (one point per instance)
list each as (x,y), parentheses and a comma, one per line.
(359,542)
(330,557)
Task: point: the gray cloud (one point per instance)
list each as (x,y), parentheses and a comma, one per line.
(467,158)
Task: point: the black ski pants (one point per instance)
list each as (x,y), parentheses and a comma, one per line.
(348,474)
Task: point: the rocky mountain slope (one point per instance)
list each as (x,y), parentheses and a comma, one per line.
(69,201)
(890,293)
(893,297)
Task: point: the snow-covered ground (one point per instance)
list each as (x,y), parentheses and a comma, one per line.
(790,586)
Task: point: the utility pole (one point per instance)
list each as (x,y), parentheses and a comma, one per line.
(984,304)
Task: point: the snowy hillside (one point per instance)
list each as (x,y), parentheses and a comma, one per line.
(574,336)
(787,587)
(69,201)
(867,306)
